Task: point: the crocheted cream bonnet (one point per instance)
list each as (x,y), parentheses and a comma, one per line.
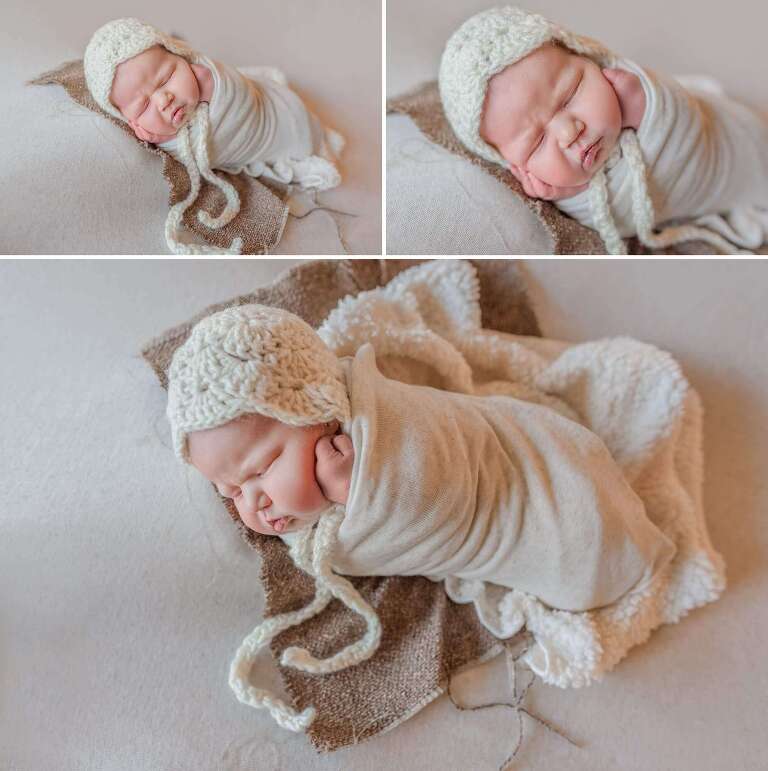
(253,359)
(490,41)
(120,40)
(259,359)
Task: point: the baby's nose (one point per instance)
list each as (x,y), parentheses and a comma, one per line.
(166,97)
(569,130)
(255,499)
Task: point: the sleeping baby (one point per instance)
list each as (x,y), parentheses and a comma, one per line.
(616,146)
(208,115)
(431,482)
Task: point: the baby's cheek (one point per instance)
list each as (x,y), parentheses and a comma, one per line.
(555,170)
(251,521)
(305,495)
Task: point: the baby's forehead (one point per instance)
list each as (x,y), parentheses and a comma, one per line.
(218,450)
(135,72)
(542,66)
(518,88)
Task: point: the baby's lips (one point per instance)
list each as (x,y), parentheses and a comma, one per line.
(280,524)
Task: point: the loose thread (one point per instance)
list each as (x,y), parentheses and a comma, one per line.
(331,212)
(515,704)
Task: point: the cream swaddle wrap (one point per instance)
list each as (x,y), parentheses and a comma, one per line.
(260,126)
(488,488)
(704,153)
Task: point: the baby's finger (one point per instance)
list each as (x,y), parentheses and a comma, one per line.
(342,443)
(145,136)
(523,180)
(541,189)
(324,449)
(517,174)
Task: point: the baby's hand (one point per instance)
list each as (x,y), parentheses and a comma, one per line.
(629,91)
(536,188)
(148,136)
(334,457)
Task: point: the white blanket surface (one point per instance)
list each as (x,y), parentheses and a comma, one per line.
(260,126)
(425,329)
(706,157)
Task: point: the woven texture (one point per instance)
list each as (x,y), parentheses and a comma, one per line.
(425,636)
(248,359)
(262,215)
(423,106)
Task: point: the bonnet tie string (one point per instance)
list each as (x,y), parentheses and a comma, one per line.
(195,160)
(644,216)
(311,552)
(642,209)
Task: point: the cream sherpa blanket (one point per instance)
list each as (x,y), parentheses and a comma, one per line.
(706,157)
(425,329)
(260,126)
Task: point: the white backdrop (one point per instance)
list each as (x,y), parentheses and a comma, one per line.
(724,40)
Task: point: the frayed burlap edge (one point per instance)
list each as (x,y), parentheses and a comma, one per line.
(426,637)
(423,106)
(262,217)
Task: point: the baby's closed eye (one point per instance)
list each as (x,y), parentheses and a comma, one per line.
(228,491)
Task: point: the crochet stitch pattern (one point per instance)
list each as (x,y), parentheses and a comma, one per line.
(253,358)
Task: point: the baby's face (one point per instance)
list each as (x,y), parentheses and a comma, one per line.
(544,112)
(156,92)
(266,467)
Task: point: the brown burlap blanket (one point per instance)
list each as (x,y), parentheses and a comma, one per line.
(424,108)
(262,216)
(426,637)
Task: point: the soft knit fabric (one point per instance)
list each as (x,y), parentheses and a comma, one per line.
(257,124)
(704,153)
(488,488)
(425,327)
(490,41)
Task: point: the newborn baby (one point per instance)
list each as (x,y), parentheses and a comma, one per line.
(208,115)
(616,146)
(433,483)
